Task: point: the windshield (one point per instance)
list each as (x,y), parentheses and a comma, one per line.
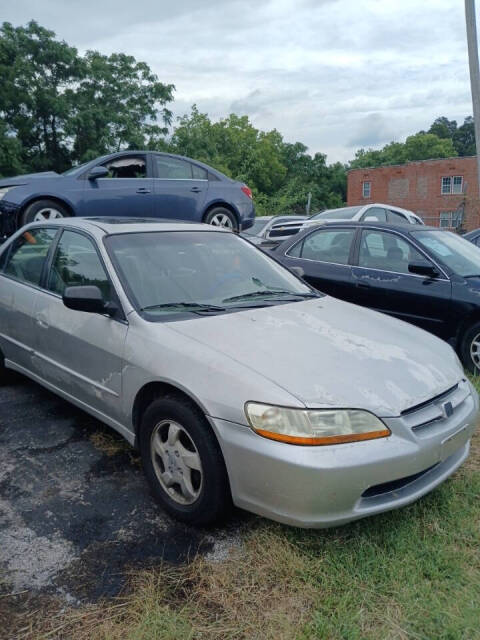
(461,256)
(345,213)
(257,227)
(200,272)
(74,170)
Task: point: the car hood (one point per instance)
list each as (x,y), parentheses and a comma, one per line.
(27,177)
(329,353)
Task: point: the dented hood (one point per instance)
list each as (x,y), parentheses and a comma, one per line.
(329,353)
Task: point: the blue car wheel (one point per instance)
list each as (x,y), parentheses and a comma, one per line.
(43,210)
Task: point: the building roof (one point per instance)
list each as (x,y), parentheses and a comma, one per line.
(410,162)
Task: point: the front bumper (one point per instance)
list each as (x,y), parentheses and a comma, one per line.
(332,485)
(8,219)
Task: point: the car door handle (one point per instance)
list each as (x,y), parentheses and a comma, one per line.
(143,190)
(42,323)
(364,285)
(195,189)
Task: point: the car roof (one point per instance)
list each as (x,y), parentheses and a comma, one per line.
(404,227)
(369,205)
(112,225)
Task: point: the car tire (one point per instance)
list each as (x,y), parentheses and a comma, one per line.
(183,462)
(470,348)
(222,217)
(43,210)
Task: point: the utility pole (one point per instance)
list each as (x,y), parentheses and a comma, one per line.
(474,73)
(309,202)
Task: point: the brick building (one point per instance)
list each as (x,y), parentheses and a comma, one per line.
(443,192)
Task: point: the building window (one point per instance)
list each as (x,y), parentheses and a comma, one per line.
(450,219)
(452,185)
(367,189)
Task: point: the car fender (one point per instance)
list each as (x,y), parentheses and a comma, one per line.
(46,194)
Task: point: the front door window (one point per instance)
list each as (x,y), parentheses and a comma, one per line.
(387,252)
(76,263)
(127,167)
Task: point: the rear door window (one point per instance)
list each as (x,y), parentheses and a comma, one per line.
(199,173)
(326,246)
(173,168)
(28,255)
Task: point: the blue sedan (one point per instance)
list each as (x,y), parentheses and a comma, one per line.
(129,183)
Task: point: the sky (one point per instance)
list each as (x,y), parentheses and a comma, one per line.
(336,75)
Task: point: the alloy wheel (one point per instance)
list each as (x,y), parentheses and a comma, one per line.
(475,350)
(176,462)
(47,213)
(221,220)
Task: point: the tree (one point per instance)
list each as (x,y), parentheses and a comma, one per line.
(116,105)
(424,146)
(60,107)
(421,146)
(464,138)
(280,174)
(10,153)
(443,128)
(35,70)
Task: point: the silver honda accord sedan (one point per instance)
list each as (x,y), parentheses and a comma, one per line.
(236,381)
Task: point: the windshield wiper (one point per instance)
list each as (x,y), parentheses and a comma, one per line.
(185,306)
(269,293)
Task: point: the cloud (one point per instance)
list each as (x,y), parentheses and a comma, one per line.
(334,74)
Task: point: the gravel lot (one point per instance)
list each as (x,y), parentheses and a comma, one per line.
(75,511)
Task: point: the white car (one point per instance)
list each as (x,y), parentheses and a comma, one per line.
(375,212)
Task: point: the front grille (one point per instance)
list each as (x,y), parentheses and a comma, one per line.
(432,414)
(441,396)
(394,485)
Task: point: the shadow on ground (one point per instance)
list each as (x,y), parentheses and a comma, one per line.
(75,510)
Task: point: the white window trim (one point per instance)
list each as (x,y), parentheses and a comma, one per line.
(365,182)
(450,191)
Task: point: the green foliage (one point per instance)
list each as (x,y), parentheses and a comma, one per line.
(280,174)
(116,106)
(57,107)
(464,138)
(421,146)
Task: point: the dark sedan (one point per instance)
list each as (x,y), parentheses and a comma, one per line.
(130,183)
(423,275)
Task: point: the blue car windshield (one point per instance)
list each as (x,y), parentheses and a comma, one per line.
(455,252)
(74,170)
(199,271)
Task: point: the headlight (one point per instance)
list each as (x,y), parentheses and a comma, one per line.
(314,426)
(3,191)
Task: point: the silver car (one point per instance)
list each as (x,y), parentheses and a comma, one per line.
(235,379)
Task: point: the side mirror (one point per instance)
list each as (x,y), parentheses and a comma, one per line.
(298,271)
(98,172)
(423,269)
(88,299)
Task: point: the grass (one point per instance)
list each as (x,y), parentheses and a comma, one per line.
(412,573)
